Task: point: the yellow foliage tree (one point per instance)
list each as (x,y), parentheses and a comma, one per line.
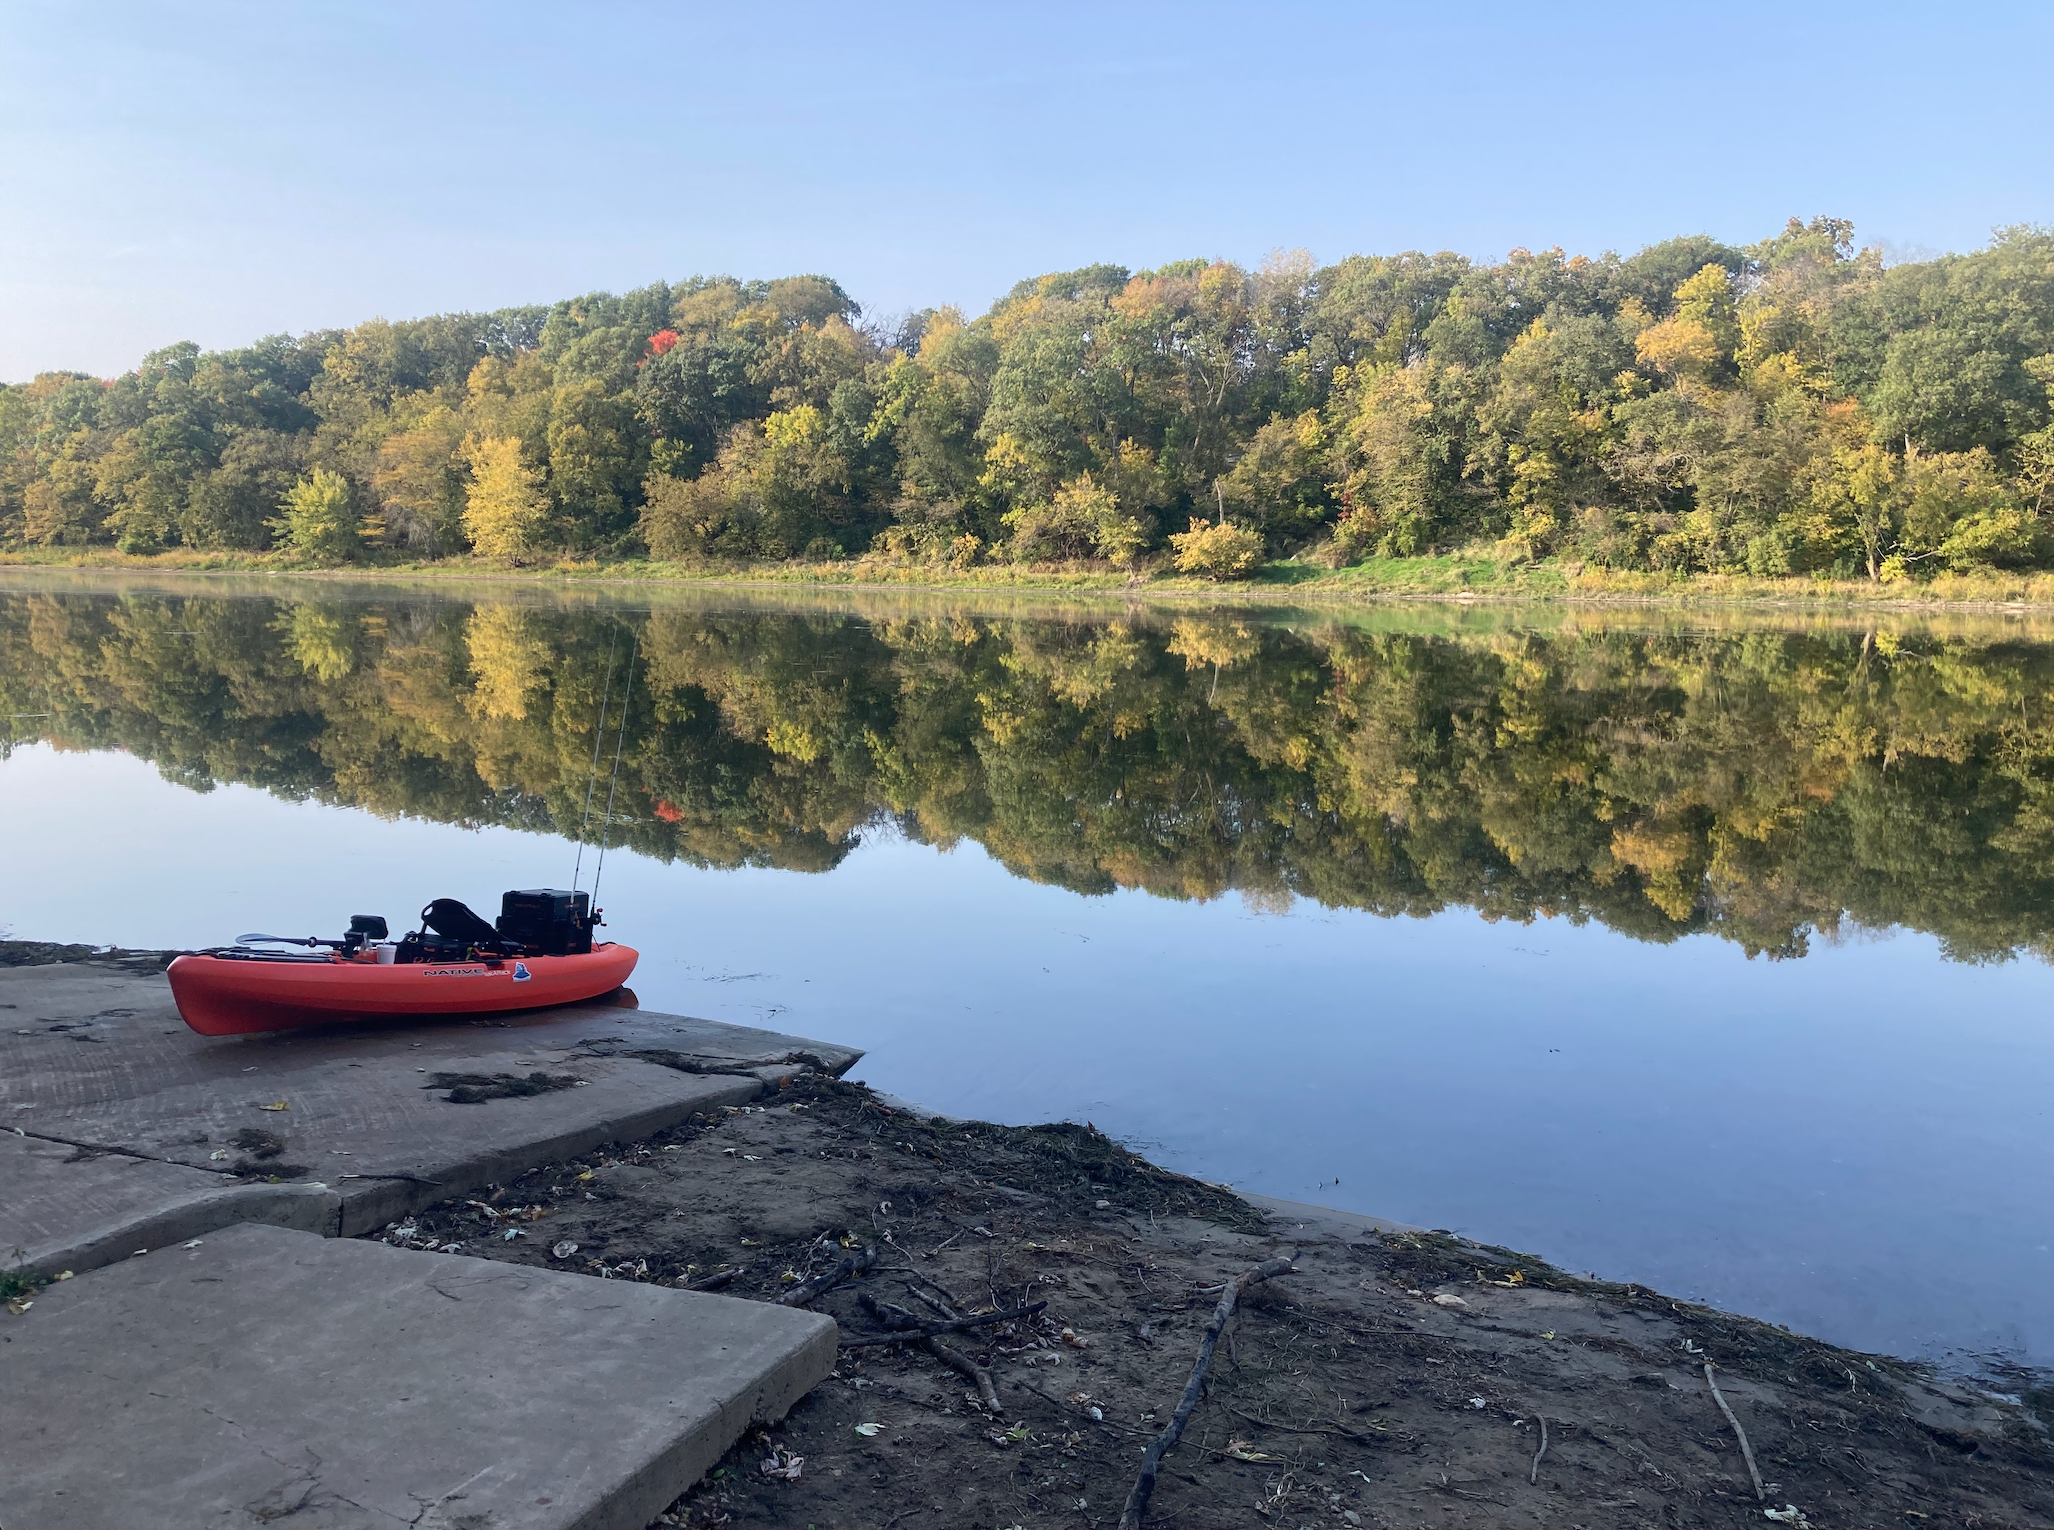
(1701,334)
(1223,551)
(504,511)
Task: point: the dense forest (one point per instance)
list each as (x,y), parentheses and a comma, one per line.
(1767,787)
(1794,406)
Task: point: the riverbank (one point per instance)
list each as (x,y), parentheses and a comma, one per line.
(1452,577)
(1390,1378)
(1390,1375)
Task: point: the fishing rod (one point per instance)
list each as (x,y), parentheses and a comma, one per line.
(598,738)
(620,741)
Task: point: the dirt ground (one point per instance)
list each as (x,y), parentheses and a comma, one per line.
(1391,1380)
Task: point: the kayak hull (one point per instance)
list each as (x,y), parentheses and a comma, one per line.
(227,996)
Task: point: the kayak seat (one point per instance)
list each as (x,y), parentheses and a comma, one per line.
(451,931)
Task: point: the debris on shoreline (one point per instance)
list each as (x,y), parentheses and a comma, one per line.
(1022,1307)
(39,953)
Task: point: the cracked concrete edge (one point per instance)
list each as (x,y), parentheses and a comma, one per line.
(366,1205)
(362,1206)
(660,1482)
(370,1203)
(300,1208)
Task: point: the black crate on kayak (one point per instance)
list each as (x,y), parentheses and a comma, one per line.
(547,921)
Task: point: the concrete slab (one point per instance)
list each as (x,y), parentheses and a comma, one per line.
(66,1208)
(100,1058)
(269,1374)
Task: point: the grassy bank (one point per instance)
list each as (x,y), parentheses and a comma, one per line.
(1459,576)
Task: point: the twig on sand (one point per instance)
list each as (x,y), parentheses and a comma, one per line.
(938,1304)
(929,1330)
(1336,1431)
(1746,1450)
(956,1360)
(1533,1475)
(911,1331)
(714,1281)
(804,1292)
(1164,1443)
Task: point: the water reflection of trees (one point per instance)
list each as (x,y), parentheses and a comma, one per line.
(1765,786)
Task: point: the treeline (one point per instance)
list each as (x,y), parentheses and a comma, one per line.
(1764,787)
(1794,406)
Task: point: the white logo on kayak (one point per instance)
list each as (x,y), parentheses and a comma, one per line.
(453,972)
(521,972)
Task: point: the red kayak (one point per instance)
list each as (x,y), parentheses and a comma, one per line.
(236,994)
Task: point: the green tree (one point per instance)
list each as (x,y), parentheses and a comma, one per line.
(1861,492)
(419,481)
(1689,407)
(318,520)
(232,505)
(1081,519)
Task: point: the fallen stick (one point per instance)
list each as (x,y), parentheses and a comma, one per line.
(956,1360)
(1164,1443)
(937,1298)
(912,1332)
(819,1285)
(930,1330)
(1533,1476)
(713,1282)
(1270,1423)
(1746,1450)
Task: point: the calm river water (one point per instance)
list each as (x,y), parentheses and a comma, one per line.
(1696,952)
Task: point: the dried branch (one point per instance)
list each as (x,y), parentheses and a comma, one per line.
(929,1330)
(956,1360)
(1746,1450)
(804,1292)
(912,1331)
(1164,1443)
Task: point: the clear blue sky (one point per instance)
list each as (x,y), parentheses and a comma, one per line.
(218,171)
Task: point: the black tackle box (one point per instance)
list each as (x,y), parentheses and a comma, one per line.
(547,921)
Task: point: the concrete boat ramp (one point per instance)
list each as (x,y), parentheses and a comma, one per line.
(225,1356)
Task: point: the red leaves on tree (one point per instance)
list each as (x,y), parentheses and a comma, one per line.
(662,341)
(664,809)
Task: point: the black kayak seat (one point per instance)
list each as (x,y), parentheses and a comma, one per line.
(457,922)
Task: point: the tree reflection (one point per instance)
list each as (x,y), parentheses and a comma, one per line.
(1769,787)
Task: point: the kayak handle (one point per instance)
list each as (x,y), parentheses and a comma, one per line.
(285,940)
